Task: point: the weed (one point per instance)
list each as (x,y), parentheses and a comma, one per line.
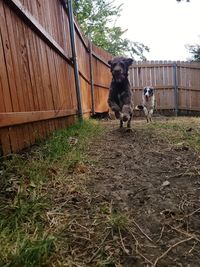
(118,220)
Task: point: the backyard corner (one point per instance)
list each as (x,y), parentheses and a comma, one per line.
(94,195)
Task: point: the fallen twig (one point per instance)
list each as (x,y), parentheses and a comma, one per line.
(170,248)
(136,247)
(184,233)
(192,213)
(176,175)
(78,224)
(123,246)
(99,248)
(161,233)
(192,247)
(142,231)
(186,173)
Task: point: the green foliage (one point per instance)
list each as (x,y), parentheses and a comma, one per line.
(94,14)
(97,20)
(195,51)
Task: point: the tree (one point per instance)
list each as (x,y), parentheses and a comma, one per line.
(97,19)
(195,51)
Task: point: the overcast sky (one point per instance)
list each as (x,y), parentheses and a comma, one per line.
(166,26)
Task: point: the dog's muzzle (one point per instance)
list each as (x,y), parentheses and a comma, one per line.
(118,76)
(146,98)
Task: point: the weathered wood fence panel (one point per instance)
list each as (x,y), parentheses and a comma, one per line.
(189,86)
(157,74)
(37,85)
(101,77)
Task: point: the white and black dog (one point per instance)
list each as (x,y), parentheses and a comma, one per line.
(148,99)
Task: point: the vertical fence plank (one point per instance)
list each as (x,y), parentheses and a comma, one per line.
(175,89)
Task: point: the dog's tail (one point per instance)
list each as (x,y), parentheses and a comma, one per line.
(139,107)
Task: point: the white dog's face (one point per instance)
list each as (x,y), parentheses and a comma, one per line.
(148,92)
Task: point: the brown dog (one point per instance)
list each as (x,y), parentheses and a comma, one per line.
(120,95)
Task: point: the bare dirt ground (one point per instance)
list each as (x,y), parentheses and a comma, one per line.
(142,201)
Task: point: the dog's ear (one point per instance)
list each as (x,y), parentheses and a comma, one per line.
(129,61)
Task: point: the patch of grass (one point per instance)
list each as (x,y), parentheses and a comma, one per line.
(177,130)
(28,184)
(27,252)
(58,145)
(118,220)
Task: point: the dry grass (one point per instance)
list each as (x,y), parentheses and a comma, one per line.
(177,131)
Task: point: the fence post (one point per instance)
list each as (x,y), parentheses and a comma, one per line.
(91,76)
(74,57)
(175,89)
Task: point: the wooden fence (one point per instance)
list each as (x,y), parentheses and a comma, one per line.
(37,84)
(177,84)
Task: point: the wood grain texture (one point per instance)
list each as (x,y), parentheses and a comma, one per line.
(37,86)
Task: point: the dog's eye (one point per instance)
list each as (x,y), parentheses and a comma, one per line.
(121,64)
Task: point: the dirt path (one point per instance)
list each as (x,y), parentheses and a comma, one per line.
(156,186)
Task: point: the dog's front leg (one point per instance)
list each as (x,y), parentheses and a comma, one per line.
(129,122)
(150,114)
(146,114)
(126,112)
(114,107)
(121,123)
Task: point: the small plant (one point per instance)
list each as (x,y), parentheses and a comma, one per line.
(117,220)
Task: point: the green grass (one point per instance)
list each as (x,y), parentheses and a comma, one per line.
(26,183)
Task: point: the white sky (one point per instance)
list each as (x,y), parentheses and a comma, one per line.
(165,26)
